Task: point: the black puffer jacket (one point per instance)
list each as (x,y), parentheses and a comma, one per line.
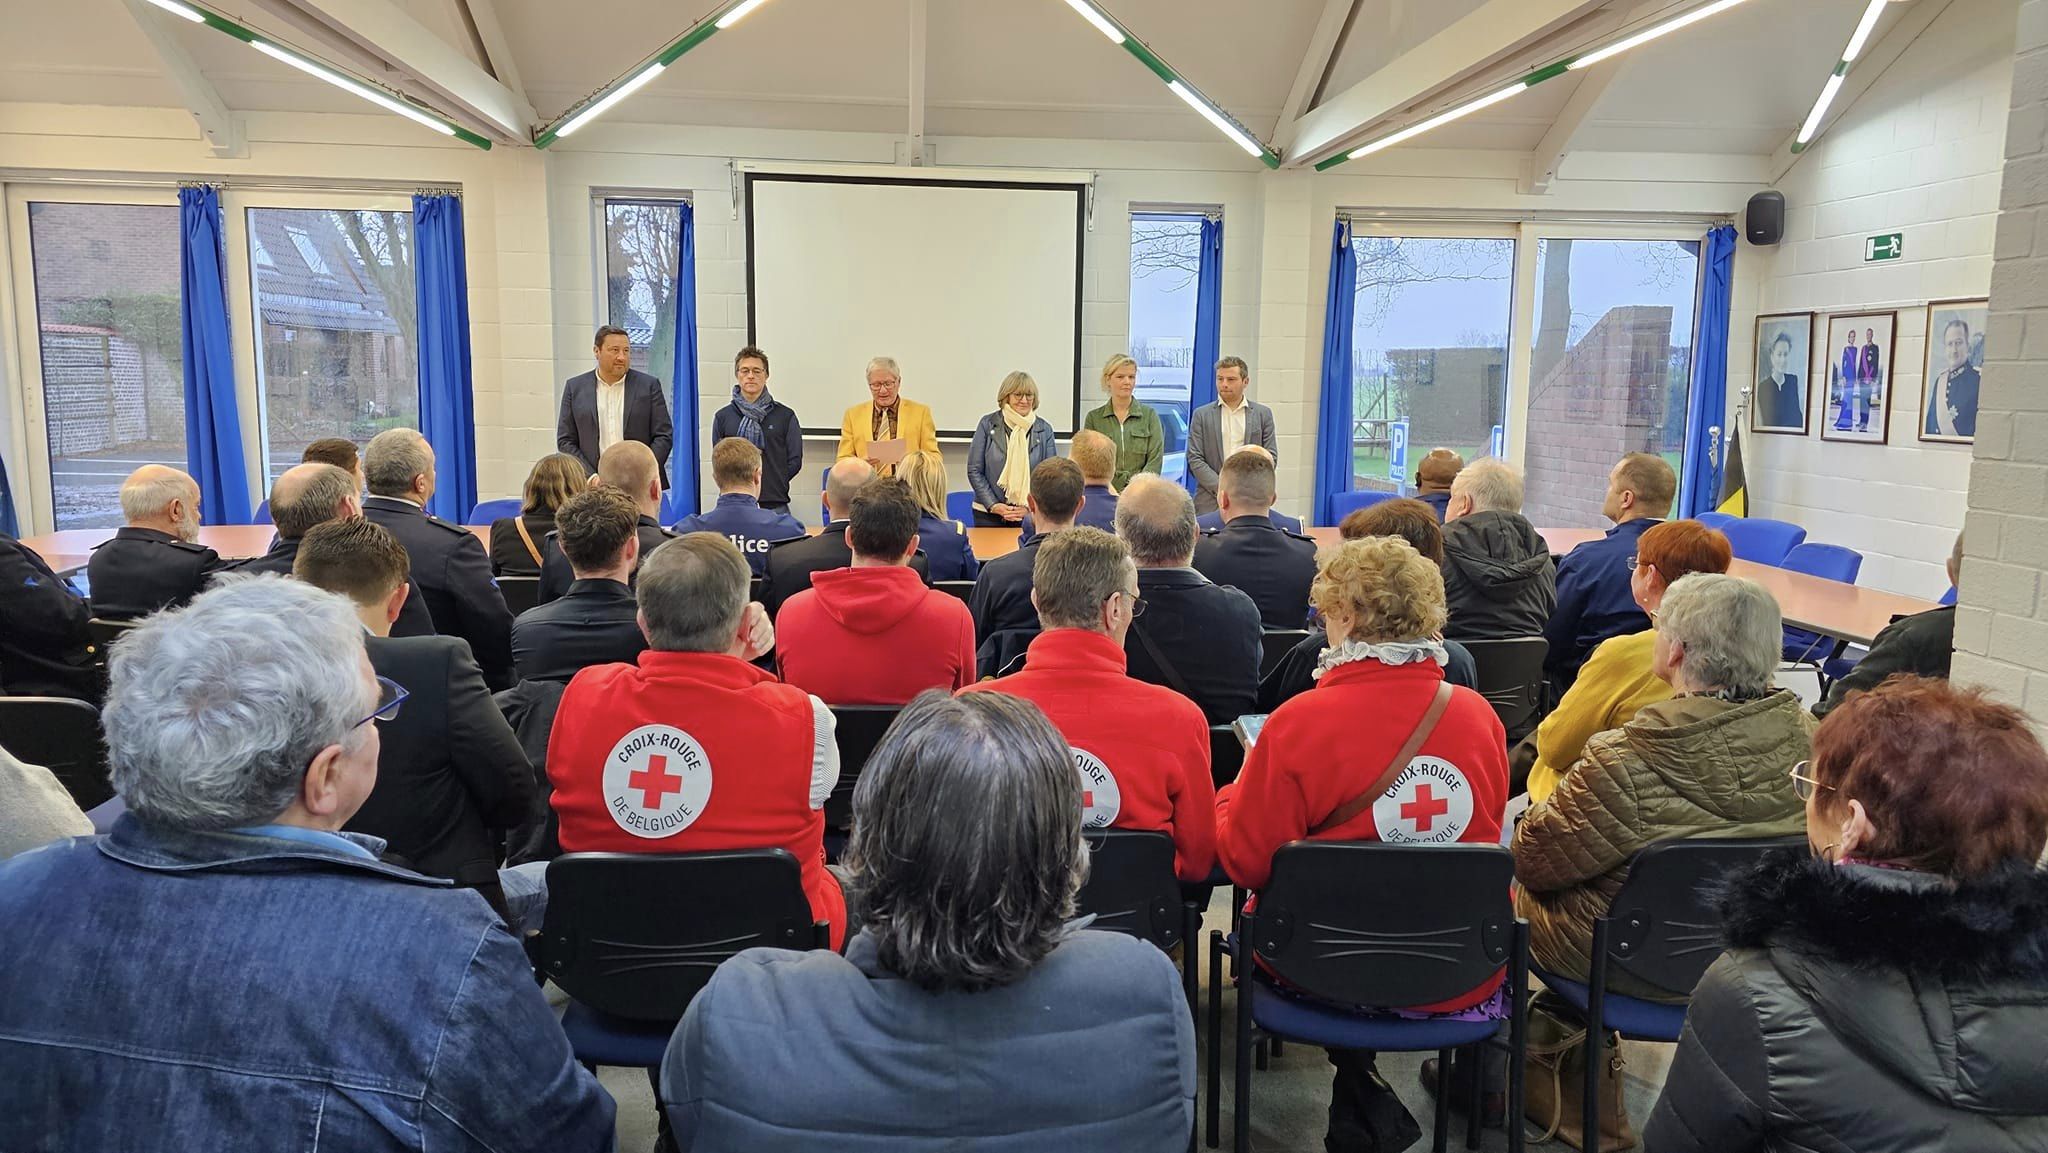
(1499,580)
(1867,1010)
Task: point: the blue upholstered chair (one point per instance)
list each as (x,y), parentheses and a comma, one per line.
(489,510)
(1831,562)
(1343,504)
(1761,540)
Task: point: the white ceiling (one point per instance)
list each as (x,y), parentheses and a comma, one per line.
(1738,83)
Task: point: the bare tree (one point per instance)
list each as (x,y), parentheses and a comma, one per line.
(643,245)
(382,243)
(1171,249)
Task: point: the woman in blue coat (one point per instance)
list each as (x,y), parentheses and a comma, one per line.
(944,542)
(1008,444)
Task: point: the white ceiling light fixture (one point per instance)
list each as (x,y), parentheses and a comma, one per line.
(1864,28)
(737,14)
(1223,124)
(1094,16)
(605,105)
(1857,41)
(1653,32)
(1438,121)
(177,9)
(344,83)
(1211,111)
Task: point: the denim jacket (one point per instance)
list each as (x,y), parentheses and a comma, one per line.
(234,992)
(990,451)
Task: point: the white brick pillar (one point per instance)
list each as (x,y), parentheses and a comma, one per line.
(1287,381)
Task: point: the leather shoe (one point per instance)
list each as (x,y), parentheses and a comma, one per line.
(1493,1107)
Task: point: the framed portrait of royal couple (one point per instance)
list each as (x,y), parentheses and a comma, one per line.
(1784,350)
(1955,361)
(1855,376)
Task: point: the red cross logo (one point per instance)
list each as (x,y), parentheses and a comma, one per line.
(655,782)
(1423,810)
(1087,798)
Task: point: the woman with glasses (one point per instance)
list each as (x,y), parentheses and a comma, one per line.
(1617,680)
(1889,990)
(1008,444)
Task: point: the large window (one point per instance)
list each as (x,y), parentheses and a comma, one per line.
(1165,262)
(1429,350)
(1610,368)
(642,247)
(106,312)
(337,326)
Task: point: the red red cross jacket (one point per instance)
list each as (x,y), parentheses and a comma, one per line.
(1142,750)
(696,752)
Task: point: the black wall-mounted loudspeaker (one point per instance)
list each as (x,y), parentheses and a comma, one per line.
(1764,221)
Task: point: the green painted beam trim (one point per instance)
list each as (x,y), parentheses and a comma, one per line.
(1150,59)
(468,137)
(1332,162)
(688,40)
(1549,72)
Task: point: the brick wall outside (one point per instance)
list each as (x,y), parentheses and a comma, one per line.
(1605,399)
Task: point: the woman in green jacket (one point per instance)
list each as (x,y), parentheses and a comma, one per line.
(1130,422)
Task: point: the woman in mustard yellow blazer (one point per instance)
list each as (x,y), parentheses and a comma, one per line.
(886,415)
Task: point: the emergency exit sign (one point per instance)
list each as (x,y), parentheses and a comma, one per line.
(1890,246)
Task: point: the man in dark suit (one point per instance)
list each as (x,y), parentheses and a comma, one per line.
(1216,431)
(596,621)
(1249,553)
(1952,402)
(615,402)
(44,647)
(1869,380)
(155,561)
(1096,456)
(312,494)
(739,516)
(630,468)
(791,563)
(769,425)
(448,561)
(1002,590)
(451,775)
(1194,636)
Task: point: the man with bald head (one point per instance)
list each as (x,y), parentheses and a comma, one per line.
(630,467)
(307,496)
(1196,637)
(791,563)
(155,561)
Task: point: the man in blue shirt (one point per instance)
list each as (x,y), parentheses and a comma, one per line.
(738,515)
(1594,600)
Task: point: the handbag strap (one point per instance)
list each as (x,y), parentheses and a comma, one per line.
(1174,680)
(1409,748)
(519,522)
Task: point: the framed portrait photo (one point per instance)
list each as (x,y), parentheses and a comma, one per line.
(1855,373)
(1955,362)
(1784,349)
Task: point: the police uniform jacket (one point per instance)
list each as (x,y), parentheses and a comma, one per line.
(1209,520)
(1269,564)
(595,623)
(413,618)
(142,570)
(454,574)
(44,648)
(740,519)
(557,574)
(947,549)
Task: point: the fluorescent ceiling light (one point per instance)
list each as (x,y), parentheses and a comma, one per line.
(1863,29)
(177,9)
(1438,121)
(1221,122)
(1093,16)
(1651,33)
(1820,107)
(382,100)
(736,15)
(601,107)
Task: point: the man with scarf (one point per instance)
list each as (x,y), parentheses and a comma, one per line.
(764,422)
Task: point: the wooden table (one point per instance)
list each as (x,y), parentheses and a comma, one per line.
(1813,603)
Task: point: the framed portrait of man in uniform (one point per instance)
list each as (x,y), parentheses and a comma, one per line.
(1955,362)
(1855,374)
(1784,347)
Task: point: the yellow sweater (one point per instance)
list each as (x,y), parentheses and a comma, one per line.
(1615,682)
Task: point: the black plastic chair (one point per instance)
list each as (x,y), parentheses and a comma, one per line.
(1226,754)
(520,592)
(858,731)
(1275,645)
(757,589)
(961,590)
(63,736)
(1511,680)
(1359,923)
(1661,930)
(1132,889)
(105,632)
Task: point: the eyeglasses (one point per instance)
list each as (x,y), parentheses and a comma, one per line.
(1137,602)
(390,695)
(1803,786)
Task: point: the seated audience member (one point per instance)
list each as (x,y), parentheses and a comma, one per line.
(695,748)
(312,494)
(449,563)
(1433,479)
(1002,592)
(451,776)
(1410,520)
(1008,443)
(597,621)
(1155,777)
(1618,680)
(1213,519)
(1710,762)
(630,467)
(35,809)
(944,541)
(791,563)
(1198,638)
(1890,990)
(339,452)
(1096,454)
(1499,580)
(1919,645)
(155,560)
(516,540)
(966,1013)
(872,633)
(1269,564)
(1594,599)
(1320,772)
(738,515)
(323,989)
(45,649)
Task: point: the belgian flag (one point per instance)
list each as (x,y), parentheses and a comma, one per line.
(1734,486)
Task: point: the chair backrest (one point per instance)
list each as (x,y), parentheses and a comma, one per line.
(105,632)
(1343,504)
(1760,540)
(1715,520)
(858,731)
(262,514)
(487,511)
(637,935)
(1274,646)
(963,590)
(1949,597)
(1662,928)
(1226,754)
(1131,885)
(757,588)
(1362,923)
(1511,678)
(520,592)
(960,507)
(1831,561)
(63,736)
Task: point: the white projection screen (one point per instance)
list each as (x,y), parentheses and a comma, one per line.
(962,282)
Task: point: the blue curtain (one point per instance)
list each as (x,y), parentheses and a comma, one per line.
(8,527)
(681,499)
(1333,424)
(1208,323)
(1701,486)
(213,426)
(447,400)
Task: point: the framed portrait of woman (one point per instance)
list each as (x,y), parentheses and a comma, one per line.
(1856,375)
(1784,348)
(1955,362)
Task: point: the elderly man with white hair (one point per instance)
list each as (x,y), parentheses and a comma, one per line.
(155,561)
(887,417)
(1499,580)
(226,969)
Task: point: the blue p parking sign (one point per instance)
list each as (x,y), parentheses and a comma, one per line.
(1397,451)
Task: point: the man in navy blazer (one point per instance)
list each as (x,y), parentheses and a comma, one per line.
(614,402)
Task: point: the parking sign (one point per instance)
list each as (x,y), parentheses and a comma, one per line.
(1397,451)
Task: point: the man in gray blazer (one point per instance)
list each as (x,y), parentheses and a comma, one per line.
(613,403)
(1222,428)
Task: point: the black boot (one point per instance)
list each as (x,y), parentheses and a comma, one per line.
(1365,1114)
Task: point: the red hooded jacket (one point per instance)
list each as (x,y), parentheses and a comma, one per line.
(873,636)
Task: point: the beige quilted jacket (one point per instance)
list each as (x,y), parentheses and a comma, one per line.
(1686,767)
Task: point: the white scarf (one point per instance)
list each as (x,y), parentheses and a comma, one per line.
(1015,482)
(1387,653)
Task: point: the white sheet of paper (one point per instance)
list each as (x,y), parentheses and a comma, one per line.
(888,452)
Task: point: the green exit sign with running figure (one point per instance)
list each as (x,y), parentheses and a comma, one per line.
(1890,246)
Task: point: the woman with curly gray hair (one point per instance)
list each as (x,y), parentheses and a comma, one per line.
(964,1006)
